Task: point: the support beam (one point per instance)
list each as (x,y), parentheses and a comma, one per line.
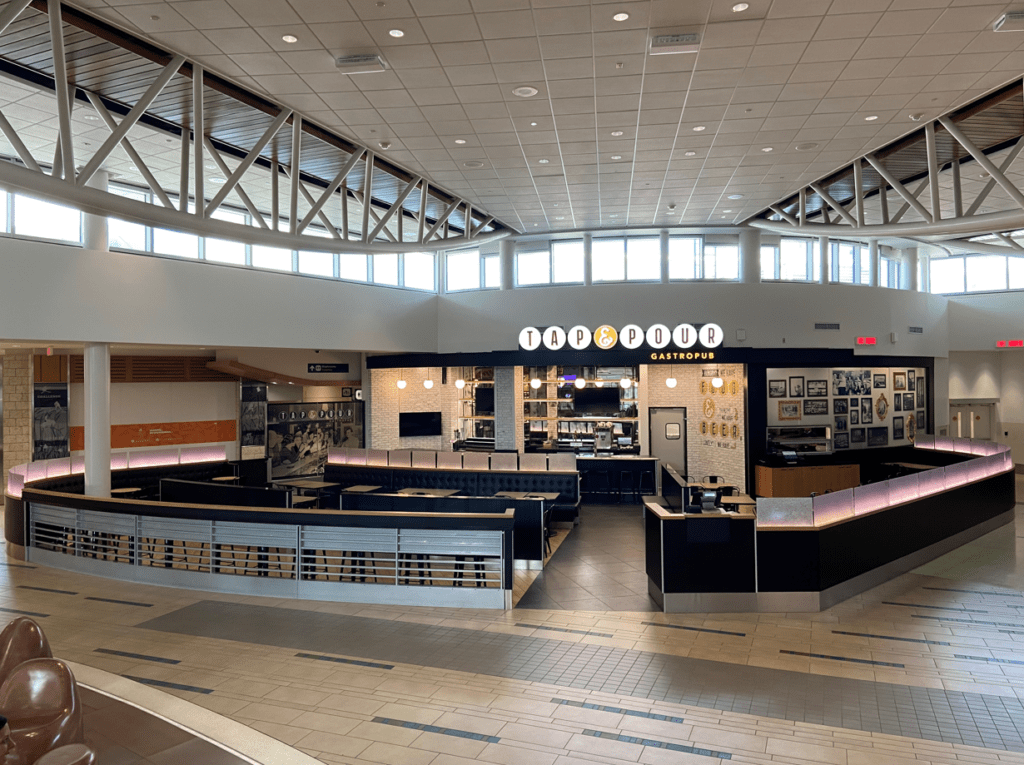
(958,191)
(199,133)
(253,210)
(858,190)
(133,155)
(19,146)
(60,83)
(441,220)
(183,170)
(423,211)
(97,419)
(295,172)
(803,206)
(11,12)
(480,227)
(328,224)
(246,163)
(883,200)
(899,188)
(131,119)
(344,212)
(1012,242)
(916,194)
(396,207)
(329,191)
(784,215)
(980,157)
(991,185)
(367,199)
(933,171)
(275,191)
(843,213)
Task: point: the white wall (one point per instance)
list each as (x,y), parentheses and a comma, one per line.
(294,361)
(55,293)
(976,322)
(974,375)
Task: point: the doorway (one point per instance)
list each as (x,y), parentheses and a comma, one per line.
(668,436)
(971,420)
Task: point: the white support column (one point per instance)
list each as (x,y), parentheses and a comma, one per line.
(750,255)
(876,263)
(588,265)
(97,419)
(913,268)
(663,240)
(94,227)
(824,245)
(507,254)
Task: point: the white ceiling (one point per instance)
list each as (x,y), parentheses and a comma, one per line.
(781,73)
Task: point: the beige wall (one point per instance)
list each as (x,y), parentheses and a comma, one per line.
(387,401)
(17,392)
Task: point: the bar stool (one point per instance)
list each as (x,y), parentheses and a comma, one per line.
(628,482)
(598,481)
(420,559)
(647,483)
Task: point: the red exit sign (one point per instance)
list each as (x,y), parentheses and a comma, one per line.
(1010,344)
(867,341)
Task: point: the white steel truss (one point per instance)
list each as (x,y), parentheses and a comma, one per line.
(354,219)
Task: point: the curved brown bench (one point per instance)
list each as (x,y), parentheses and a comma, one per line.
(43,709)
(21,640)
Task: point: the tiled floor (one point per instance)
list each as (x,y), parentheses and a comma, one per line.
(925,669)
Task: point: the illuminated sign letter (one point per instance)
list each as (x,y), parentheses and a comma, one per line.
(554,338)
(658,336)
(631,336)
(684,336)
(711,336)
(529,339)
(579,337)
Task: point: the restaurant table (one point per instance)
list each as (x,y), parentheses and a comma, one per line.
(512,494)
(307,483)
(360,489)
(549,496)
(225,478)
(910,465)
(126,490)
(411,490)
(741,500)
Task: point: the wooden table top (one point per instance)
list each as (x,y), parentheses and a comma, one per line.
(411,490)
(361,489)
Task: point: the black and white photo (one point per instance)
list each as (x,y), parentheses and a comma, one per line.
(920,396)
(899,381)
(908,401)
(897,403)
(789,410)
(817,388)
(840,406)
(776,389)
(814,407)
(897,428)
(796,387)
(50,430)
(857,435)
(911,383)
(839,383)
(880,380)
(854,412)
(878,436)
(867,416)
(841,441)
(841,423)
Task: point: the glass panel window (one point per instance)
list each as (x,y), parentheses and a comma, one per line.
(316,263)
(793,260)
(229,215)
(385,268)
(1016,269)
(816,260)
(463,270)
(865,265)
(947,275)
(177,243)
(353,267)
(608,260)
(768,254)
(883,272)
(721,261)
(419,270)
(683,257)
(274,258)
(224,251)
(567,262)
(533,268)
(846,262)
(986,273)
(643,259)
(492,272)
(121,234)
(3,211)
(34,217)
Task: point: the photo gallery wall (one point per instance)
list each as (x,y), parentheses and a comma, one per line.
(864,407)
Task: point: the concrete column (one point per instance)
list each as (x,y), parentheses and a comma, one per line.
(588,265)
(364,376)
(876,262)
(663,240)
(17,393)
(508,408)
(823,251)
(507,253)
(94,227)
(750,255)
(913,268)
(97,419)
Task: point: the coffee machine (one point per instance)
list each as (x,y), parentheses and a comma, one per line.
(603,436)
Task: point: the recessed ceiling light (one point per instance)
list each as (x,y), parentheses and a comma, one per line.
(474,163)
(871,118)
(690,154)
(460,141)
(740,7)
(290,38)
(524,91)
(543,161)
(806,146)
(726,210)
(699,128)
(396,33)
(91,117)
(560,217)
(767,149)
(615,133)
(216,180)
(613,215)
(916,117)
(735,196)
(616,156)
(620,16)
(533,124)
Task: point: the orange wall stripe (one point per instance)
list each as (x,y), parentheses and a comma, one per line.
(162,434)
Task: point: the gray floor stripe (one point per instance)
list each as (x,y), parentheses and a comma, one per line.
(974,719)
(339,660)
(23,613)
(46,589)
(437,729)
(121,602)
(139,656)
(655,744)
(165,684)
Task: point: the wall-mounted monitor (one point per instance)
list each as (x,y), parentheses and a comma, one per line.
(419,424)
(597,401)
(484,400)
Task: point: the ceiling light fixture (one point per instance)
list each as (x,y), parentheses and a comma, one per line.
(767,149)
(290,38)
(806,146)
(699,128)
(871,118)
(524,91)
(216,180)
(717,382)
(616,156)
(615,133)
(671,382)
(91,117)
(460,141)
(473,163)
(625,382)
(535,383)
(620,16)
(916,117)
(533,124)
(740,7)
(396,33)
(735,196)
(460,383)
(560,217)
(689,154)
(580,383)
(543,161)
(428,384)
(401,384)
(385,145)
(726,210)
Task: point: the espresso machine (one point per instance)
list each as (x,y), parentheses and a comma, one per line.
(603,436)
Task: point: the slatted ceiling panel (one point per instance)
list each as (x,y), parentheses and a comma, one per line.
(119,368)
(124,369)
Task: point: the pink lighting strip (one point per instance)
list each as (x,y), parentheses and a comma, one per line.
(873,496)
(904,489)
(837,506)
(118,461)
(357,456)
(58,467)
(209,453)
(785,511)
(16,480)
(154,458)
(337,456)
(77,465)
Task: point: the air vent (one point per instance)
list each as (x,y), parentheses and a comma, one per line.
(830,327)
(1010,22)
(364,63)
(915,330)
(688,42)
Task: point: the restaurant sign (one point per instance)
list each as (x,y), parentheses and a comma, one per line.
(631,337)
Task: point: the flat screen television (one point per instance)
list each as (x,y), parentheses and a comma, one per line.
(419,424)
(484,400)
(599,401)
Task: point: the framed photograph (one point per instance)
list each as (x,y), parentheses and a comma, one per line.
(910,379)
(881,381)
(911,428)
(789,410)
(919,420)
(897,403)
(840,406)
(857,435)
(867,416)
(920,396)
(841,441)
(882,407)
(839,383)
(854,413)
(817,388)
(796,387)
(908,401)
(776,389)
(899,380)
(346,393)
(841,423)
(859,382)
(897,428)
(813,407)
(878,436)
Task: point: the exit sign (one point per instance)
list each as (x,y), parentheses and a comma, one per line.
(1010,344)
(867,341)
